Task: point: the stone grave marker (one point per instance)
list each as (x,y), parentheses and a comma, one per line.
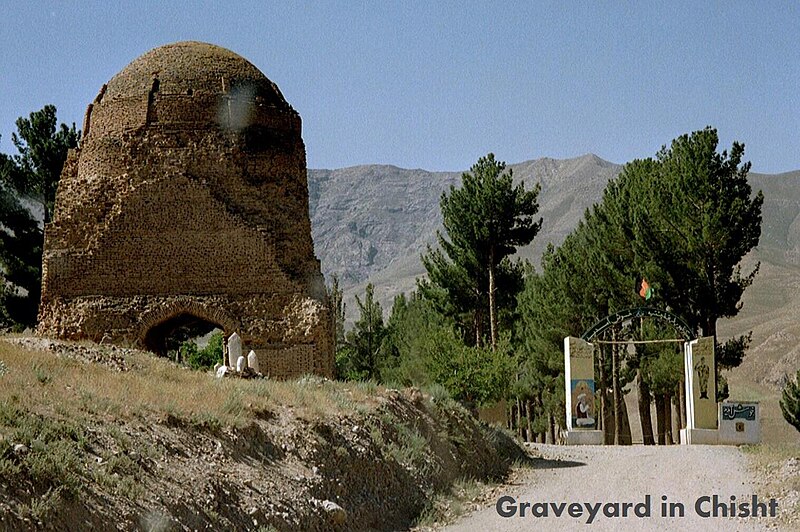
(252,361)
(234,349)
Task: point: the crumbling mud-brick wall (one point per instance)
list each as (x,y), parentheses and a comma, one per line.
(188,196)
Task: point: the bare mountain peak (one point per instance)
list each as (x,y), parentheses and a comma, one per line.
(372,222)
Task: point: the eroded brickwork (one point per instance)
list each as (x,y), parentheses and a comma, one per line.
(188,195)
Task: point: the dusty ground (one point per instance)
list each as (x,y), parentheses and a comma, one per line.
(626,474)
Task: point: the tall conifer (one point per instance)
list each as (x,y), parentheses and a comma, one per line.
(31,175)
(485,221)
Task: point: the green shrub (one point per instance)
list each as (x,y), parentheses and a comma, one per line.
(790,402)
(41,374)
(438,393)
(202,358)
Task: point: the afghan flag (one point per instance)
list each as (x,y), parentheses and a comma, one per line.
(643,289)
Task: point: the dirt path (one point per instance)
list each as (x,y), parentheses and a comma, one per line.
(625,474)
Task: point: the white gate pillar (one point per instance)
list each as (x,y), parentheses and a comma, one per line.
(701,392)
(580,393)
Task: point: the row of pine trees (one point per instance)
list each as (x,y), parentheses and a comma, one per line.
(490,328)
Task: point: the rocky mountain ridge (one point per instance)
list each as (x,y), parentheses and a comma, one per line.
(371,224)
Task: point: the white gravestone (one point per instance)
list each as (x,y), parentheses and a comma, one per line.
(241,363)
(252,361)
(234,350)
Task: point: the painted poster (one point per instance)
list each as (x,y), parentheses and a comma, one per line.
(579,383)
(583,416)
(704,383)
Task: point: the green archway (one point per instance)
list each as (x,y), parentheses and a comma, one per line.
(638,312)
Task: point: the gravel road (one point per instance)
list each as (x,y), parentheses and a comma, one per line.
(593,474)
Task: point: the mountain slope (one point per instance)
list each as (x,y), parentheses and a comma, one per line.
(372,223)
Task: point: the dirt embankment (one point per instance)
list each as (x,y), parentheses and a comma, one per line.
(104,447)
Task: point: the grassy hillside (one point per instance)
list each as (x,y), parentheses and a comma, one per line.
(100,437)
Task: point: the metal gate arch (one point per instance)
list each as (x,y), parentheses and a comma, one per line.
(637,312)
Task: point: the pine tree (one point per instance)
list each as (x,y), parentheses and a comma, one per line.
(684,221)
(32,175)
(359,358)
(42,148)
(485,221)
(615,230)
(790,402)
(413,321)
(698,219)
(538,335)
(20,261)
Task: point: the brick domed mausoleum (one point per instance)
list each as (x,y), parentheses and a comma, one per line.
(187,201)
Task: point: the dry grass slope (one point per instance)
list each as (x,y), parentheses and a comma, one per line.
(95,437)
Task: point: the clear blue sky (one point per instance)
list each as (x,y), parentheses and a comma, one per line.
(435,85)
